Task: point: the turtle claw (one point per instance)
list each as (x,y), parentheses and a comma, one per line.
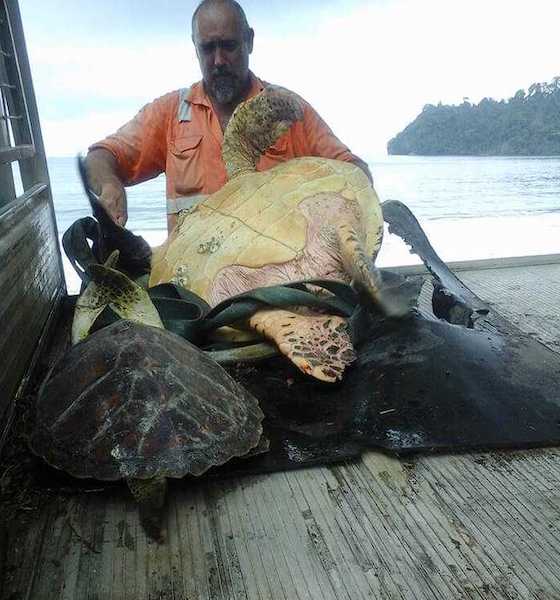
(150,495)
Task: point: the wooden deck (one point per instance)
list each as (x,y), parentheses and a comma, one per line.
(483,525)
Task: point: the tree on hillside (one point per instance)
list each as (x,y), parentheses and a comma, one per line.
(526,124)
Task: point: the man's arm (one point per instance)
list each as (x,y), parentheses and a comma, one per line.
(102,171)
(135,153)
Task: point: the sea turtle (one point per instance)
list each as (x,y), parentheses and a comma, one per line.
(306,218)
(137,402)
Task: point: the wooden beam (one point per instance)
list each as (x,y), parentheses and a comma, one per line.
(32,192)
(484,264)
(10,153)
(31,285)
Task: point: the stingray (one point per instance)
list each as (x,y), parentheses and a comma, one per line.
(453,376)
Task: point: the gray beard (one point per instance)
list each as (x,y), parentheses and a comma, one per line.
(224,89)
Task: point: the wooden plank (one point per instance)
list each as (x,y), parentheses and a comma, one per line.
(7,187)
(26,557)
(528,297)
(481,526)
(302,565)
(34,169)
(11,153)
(487,263)
(12,90)
(183,519)
(38,352)
(30,285)
(35,191)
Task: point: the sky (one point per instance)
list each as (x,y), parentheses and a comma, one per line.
(367,66)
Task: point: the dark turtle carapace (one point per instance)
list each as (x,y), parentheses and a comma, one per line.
(139,403)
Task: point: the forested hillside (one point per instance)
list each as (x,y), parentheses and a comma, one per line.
(527,124)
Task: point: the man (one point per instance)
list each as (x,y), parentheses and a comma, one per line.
(181,133)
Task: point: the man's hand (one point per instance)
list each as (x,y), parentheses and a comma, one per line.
(113,198)
(103,177)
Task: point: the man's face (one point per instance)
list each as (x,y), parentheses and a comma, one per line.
(223,49)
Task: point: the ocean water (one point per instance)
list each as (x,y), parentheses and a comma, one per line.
(470,207)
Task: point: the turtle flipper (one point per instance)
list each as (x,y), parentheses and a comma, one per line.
(319,345)
(112,288)
(396,298)
(150,495)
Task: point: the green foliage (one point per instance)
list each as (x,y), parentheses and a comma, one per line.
(527,124)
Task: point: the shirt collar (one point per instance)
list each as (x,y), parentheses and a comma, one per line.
(197,94)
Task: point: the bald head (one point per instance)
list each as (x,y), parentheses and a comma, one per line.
(220,5)
(223,42)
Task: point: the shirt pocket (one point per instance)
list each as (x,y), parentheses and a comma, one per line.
(187,165)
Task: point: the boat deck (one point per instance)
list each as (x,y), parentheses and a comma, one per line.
(484,525)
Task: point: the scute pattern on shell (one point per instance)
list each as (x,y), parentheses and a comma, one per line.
(137,401)
(260,219)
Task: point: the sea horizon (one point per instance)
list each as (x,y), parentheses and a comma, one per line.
(471,208)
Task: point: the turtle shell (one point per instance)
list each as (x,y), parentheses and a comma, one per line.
(134,401)
(265,218)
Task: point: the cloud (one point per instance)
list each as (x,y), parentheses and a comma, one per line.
(367,67)
(67,137)
(371,71)
(106,73)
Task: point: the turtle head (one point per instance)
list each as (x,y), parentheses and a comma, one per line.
(256,125)
(275,110)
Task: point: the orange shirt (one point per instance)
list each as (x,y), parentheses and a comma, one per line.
(180,134)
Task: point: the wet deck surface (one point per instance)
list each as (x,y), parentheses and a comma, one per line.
(482,525)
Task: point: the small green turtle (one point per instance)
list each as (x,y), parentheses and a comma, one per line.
(133,401)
